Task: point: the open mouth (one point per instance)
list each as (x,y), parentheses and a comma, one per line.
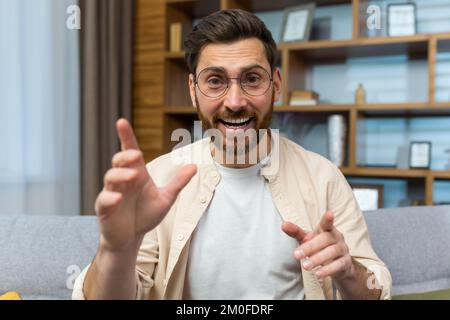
(236,123)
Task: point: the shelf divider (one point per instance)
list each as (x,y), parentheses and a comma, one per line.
(429,183)
(432,52)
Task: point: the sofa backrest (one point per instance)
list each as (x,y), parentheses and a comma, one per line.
(414,243)
(40,256)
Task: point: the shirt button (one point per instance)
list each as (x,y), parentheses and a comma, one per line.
(203,200)
(214,175)
(180,237)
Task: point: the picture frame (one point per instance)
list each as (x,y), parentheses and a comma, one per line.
(368,196)
(420,155)
(402,19)
(297,23)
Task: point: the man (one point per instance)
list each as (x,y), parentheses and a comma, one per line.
(287,227)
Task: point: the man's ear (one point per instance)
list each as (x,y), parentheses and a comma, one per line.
(192,90)
(277,83)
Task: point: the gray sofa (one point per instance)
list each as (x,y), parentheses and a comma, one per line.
(40,256)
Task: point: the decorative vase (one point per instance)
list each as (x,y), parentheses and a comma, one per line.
(360,95)
(336,139)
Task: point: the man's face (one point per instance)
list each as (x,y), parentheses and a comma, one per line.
(235,110)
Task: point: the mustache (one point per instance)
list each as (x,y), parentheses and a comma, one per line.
(233,115)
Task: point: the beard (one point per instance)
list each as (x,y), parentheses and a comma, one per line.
(237,143)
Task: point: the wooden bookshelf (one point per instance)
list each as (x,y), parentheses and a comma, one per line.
(175,107)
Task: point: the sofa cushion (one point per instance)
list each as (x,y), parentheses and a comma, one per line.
(414,243)
(42,255)
(433,295)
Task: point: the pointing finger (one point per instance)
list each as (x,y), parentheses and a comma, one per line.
(126,135)
(294,231)
(327,222)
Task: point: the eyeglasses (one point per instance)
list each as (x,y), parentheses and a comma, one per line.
(214,83)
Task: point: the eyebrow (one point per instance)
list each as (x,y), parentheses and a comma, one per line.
(221,69)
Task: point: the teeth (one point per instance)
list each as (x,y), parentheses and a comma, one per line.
(237,121)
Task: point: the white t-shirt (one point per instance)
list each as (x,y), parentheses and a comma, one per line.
(238,250)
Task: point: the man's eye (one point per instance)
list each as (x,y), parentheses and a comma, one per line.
(215,81)
(252,79)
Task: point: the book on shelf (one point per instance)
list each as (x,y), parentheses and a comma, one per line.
(299,94)
(176,36)
(303,98)
(303,102)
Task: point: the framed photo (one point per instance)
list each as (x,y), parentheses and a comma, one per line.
(368,196)
(297,23)
(420,155)
(402,19)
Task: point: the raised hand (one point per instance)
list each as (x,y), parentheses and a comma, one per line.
(130,203)
(322,249)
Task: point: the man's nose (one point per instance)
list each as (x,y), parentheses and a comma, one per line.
(235,98)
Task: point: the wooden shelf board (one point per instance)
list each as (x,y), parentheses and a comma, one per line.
(353,48)
(444,175)
(323,44)
(362,41)
(393,106)
(386,172)
(396,173)
(441,105)
(405,109)
(361,47)
(316,108)
(441,36)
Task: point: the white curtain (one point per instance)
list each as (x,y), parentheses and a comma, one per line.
(39,108)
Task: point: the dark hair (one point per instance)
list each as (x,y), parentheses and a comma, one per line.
(227,26)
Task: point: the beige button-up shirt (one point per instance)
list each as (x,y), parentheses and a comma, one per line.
(304,185)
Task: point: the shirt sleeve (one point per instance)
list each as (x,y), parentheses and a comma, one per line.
(145,266)
(349,220)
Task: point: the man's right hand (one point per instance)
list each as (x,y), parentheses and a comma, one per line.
(130,204)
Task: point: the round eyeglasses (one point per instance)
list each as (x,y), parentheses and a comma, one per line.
(214,83)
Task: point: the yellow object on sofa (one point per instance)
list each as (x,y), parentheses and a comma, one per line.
(10,296)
